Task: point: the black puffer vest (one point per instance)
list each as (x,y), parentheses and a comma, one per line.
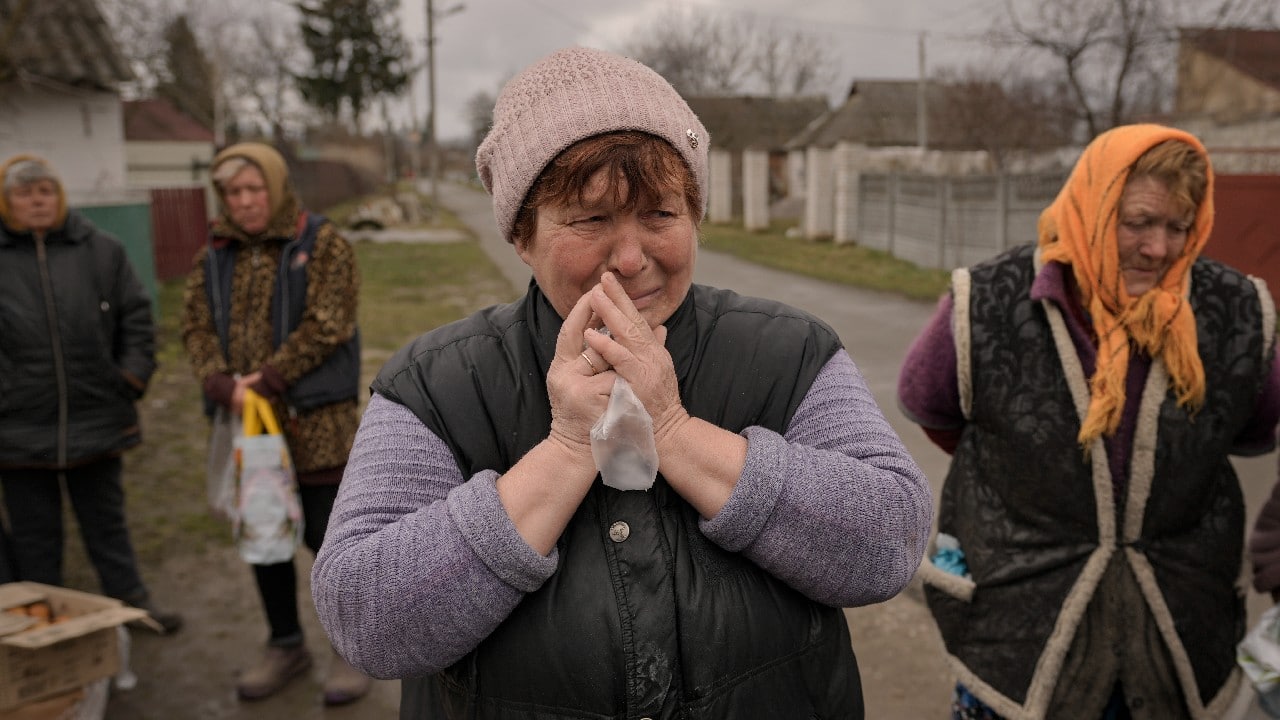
(664,624)
(1035,516)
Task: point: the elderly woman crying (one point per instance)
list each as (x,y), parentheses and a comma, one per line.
(474,550)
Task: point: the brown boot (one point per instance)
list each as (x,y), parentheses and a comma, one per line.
(277,667)
(345,684)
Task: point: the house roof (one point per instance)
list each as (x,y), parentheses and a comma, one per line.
(159,120)
(67,41)
(740,122)
(1253,52)
(880,113)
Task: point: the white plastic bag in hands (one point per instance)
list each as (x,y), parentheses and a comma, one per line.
(622,441)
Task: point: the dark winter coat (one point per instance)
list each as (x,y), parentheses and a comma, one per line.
(77,346)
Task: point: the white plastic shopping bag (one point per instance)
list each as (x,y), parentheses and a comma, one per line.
(268,523)
(221,471)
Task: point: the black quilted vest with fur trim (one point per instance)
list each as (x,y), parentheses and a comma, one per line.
(1023,499)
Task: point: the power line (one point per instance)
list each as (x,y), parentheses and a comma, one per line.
(566,19)
(828,26)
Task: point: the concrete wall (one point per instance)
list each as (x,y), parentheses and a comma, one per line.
(951,221)
(795,173)
(80,132)
(720,169)
(832,189)
(755,189)
(819,198)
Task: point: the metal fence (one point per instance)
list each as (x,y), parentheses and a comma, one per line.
(179,227)
(946,222)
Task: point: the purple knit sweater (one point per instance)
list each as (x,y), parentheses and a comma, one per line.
(420,564)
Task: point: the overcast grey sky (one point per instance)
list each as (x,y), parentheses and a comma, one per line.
(487,41)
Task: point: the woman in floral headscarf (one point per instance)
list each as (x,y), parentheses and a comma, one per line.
(271,306)
(1090,388)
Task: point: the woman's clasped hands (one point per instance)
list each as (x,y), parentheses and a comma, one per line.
(588,361)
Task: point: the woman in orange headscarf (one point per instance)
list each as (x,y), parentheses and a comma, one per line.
(1090,388)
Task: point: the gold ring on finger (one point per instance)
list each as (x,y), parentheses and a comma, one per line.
(589,363)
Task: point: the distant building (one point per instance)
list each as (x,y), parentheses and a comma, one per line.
(1228,95)
(876,129)
(1228,74)
(166,148)
(740,124)
(59,71)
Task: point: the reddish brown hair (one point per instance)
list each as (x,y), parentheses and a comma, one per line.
(645,165)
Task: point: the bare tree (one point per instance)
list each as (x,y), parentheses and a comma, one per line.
(1109,52)
(249,50)
(697,51)
(260,76)
(701,52)
(138,27)
(17,15)
(790,63)
(1031,112)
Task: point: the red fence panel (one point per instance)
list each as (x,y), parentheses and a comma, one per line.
(1246,225)
(179,226)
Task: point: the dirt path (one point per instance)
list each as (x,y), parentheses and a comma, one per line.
(192,675)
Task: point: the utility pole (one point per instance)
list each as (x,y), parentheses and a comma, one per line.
(434,158)
(922,105)
(388,144)
(433,147)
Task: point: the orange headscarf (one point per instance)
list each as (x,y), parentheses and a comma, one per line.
(1079,229)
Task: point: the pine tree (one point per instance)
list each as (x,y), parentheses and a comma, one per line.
(357,54)
(189,84)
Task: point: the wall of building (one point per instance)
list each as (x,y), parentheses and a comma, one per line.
(80,132)
(1211,87)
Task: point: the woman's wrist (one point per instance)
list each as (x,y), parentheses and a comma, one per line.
(570,455)
(668,428)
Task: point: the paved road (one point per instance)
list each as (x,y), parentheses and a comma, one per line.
(897,646)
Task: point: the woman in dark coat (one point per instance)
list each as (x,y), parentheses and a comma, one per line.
(77,349)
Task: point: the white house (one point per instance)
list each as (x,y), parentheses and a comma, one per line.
(58,97)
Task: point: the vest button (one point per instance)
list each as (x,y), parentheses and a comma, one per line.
(619,531)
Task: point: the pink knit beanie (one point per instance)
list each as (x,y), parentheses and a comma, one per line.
(571,95)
